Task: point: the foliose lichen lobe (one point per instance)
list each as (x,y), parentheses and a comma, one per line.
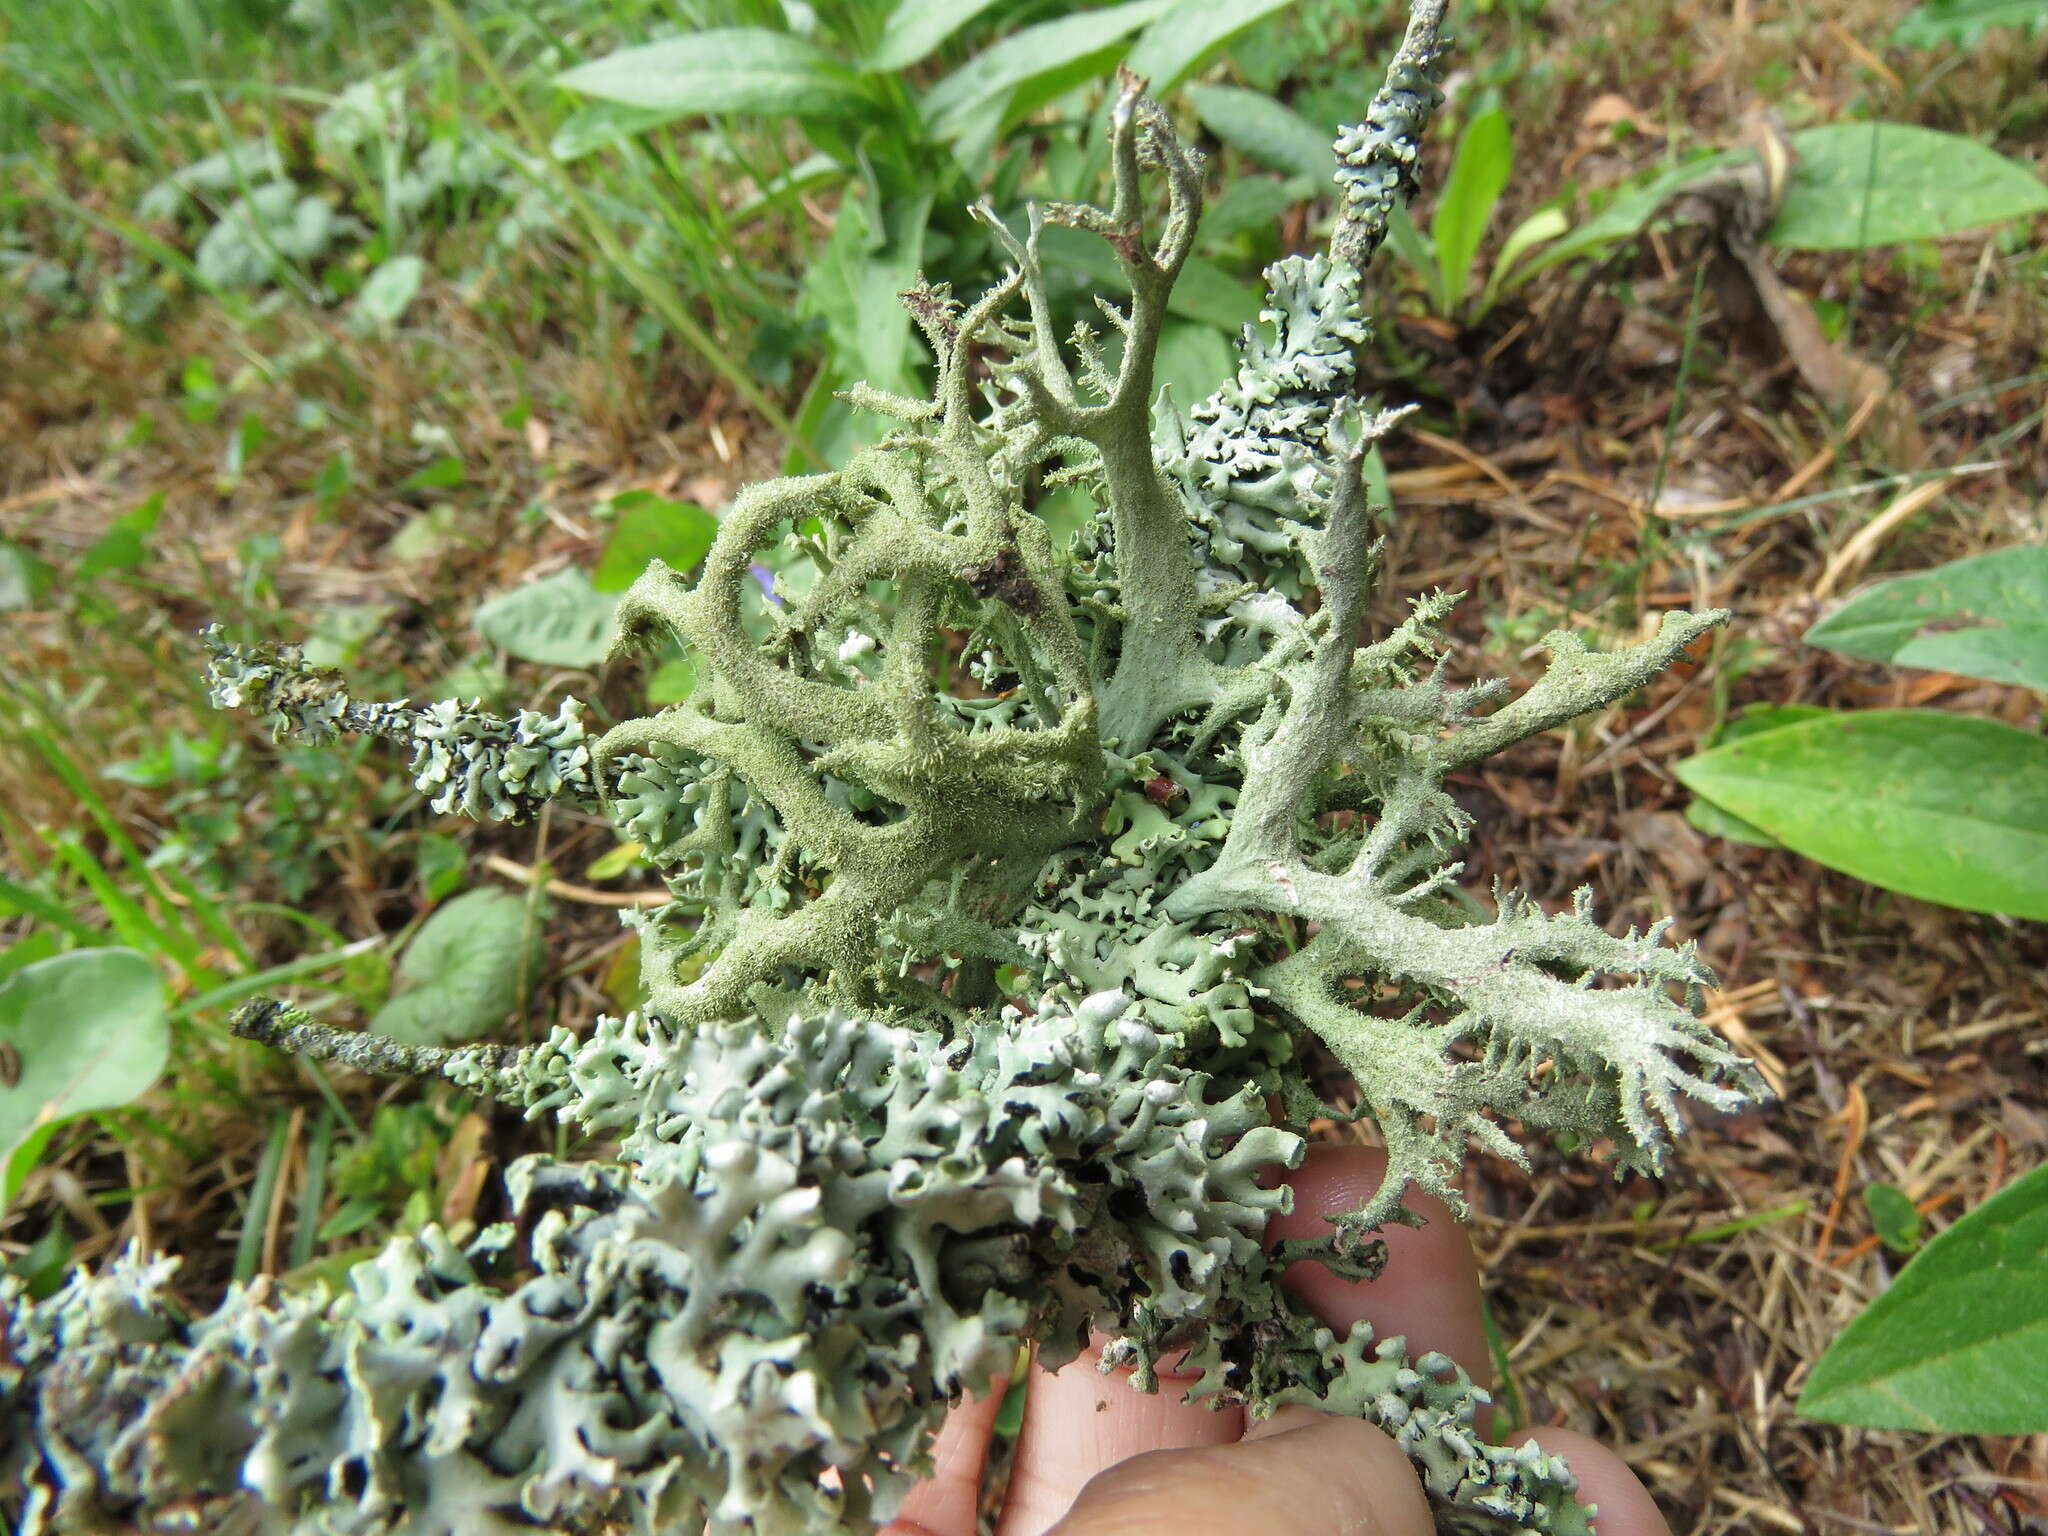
(1004,905)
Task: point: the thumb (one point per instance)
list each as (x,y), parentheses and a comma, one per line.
(1299,1471)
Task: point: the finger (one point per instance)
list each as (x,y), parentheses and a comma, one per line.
(948,1503)
(1429,1294)
(1078,1421)
(1625,1505)
(1322,1474)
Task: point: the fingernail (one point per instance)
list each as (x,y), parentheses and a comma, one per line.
(1292,1416)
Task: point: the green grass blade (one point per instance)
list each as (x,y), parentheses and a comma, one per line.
(249,1247)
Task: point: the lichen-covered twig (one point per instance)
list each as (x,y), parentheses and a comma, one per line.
(1379,159)
(269,1022)
(463,760)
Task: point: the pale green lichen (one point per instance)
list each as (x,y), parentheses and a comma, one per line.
(1010,882)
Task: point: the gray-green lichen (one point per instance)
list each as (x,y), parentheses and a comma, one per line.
(463,760)
(1010,882)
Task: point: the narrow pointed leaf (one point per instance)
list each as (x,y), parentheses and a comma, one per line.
(560,620)
(1864,184)
(1959,1343)
(917,28)
(81,1031)
(953,104)
(1479,174)
(722,69)
(1271,133)
(1948,808)
(1190,35)
(1984,617)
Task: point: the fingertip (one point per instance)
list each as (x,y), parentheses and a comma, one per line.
(1079,1421)
(1334,1178)
(1429,1293)
(1283,1421)
(1322,1473)
(1623,1506)
(948,1503)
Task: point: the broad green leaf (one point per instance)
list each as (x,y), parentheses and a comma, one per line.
(1964,22)
(1892,1216)
(560,620)
(1192,361)
(1958,1344)
(387,293)
(854,283)
(1758,718)
(81,1031)
(1263,128)
(1863,184)
(1710,818)
(1205,292)
(245,163)
(274,225)
(1986,616)
(614,861)
(1379,489)
(364,112)
(1211,295)
(340,632)
(1544,224)
(1703,815)
(47,1264)
(604,123)
(648,527)
(430,535)
(951,106)
(1478,175)
(1253,202)
(468,966)
(916,28)
(1948,808)
(125,544)
(1189,35)
(2000,655)
(441,861)
(975,130)
(24,578)
(722,69)
(444,474)
(672,682)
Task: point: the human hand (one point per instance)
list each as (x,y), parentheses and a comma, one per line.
(1096,1458)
